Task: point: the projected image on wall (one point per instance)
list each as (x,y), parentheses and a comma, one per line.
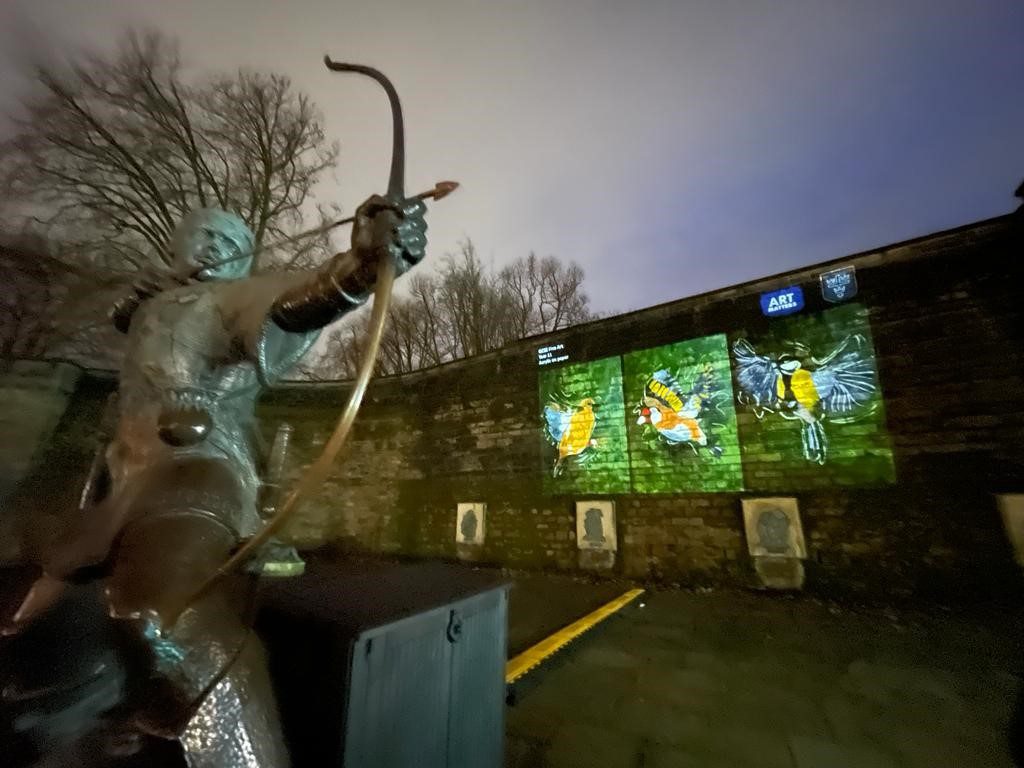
(682,421)
(583,422)
(809,399)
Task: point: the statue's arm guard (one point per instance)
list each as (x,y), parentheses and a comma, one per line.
(337,288)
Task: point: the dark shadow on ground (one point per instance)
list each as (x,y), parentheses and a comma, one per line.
(541,604)
(745,680)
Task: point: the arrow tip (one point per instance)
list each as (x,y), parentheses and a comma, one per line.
(444,188)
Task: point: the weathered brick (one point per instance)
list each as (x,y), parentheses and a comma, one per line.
(947,327)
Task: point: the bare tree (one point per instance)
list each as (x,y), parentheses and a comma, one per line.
(462,309)
(340,351)
(113,151)
(46,308)
(543,295)
(434,341)
(405,345)
(30,293)
(474,302)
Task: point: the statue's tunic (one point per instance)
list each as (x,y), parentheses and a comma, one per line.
(209,346)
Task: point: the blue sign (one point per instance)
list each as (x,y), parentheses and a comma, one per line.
(839,284)
(784,301)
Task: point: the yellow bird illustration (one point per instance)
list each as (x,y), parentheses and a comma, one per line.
(571,430)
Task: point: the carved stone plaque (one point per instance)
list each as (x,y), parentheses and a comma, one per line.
(470,523)
(595,525)
(773,528)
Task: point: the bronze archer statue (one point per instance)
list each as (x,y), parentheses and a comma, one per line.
(164,659)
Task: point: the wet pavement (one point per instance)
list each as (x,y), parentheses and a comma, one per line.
(749,680)
(541,604)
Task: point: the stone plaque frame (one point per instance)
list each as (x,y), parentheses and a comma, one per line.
(773,528)
(470,518)
(595,525)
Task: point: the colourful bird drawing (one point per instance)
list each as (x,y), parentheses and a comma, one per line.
(837,388)
(678,416)
(571,429)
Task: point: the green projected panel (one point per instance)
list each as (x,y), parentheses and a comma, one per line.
(682,422)
(584,427)
(809,405)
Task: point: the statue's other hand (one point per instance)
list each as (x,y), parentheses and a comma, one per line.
(397,227)
(143,288)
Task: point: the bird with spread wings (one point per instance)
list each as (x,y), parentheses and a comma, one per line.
(837,388)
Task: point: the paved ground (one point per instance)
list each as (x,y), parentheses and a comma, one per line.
(737,679)
(741,680)
(540,604)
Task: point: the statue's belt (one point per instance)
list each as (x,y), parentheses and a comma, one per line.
(184,424)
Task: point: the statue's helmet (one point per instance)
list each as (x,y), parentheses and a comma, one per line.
(216,239)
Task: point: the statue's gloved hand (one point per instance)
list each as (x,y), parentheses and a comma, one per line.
(383,227)
(395,227)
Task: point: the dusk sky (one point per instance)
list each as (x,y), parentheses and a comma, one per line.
(669,147)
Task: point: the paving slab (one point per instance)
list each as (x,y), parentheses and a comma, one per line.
(582,745)
(540,604)
(743,680)
(820,753)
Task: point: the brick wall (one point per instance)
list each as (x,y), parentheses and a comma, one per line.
(34,394)
(55,441)
(946,319)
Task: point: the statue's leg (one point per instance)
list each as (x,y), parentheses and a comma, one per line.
(203,679)
(238,725)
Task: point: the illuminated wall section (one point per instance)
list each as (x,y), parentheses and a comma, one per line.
(809,404)
(583,422)
(681,418)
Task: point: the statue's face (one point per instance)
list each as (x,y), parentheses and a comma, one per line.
(216,243)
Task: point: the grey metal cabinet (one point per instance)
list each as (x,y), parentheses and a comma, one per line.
(398,667)
(476,725)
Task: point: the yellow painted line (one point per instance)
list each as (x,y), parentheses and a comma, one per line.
(533,656)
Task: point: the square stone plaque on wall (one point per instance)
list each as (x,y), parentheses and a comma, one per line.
(775,540)
(595,525)
(773,528)
(470,523)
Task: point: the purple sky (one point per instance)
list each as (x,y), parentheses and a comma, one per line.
(669,147)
